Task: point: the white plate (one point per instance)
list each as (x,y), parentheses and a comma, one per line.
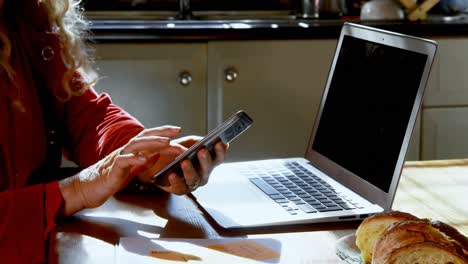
(347,250)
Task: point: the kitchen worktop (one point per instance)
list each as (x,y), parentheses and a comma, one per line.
(135,30)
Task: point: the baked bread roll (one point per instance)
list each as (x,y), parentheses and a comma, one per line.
(459,241)
(424,253)
(415,242)
(372,227)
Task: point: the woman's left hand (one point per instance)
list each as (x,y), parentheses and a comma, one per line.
(193,176)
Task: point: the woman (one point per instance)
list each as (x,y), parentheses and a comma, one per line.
(47,105)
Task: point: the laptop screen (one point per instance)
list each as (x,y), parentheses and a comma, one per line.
(368,107)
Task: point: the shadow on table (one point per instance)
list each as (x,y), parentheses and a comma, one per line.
(263,250)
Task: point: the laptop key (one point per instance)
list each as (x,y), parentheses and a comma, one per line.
(306,208)
(346,207)
(282,201)
(329,209)
(321,198)
(263,186)
(276,196)
(315,204)
(319,207)
(343,204)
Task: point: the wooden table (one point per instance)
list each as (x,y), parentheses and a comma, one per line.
(434,189)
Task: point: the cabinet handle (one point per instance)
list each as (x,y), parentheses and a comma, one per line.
(185,78)
(230,74)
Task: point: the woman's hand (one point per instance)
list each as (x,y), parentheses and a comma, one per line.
(94,185)
(193,176)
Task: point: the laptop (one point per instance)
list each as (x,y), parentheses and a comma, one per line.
(357,147)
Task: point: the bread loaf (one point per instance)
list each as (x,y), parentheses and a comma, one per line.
(424,253)
(401,238)
(372,227)
(459,241)
(414,242)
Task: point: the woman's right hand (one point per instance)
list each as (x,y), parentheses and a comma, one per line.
(94,185)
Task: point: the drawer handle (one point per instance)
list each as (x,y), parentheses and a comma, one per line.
(185,78)
(231,74)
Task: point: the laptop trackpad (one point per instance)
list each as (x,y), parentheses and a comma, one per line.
(240,191)
(237,203)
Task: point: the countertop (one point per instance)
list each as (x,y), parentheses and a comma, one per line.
(141,30)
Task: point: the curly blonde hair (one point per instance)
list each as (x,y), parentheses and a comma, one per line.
(65,18)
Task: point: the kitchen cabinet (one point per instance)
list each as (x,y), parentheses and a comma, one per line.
(445,133)
(448,85)
(445,108)
(278,83)
(159,84)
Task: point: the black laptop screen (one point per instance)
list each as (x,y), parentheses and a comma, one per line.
(367,110)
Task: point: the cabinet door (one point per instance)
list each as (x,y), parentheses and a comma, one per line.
(279,83)
(445,133)
(448,83)
(145,79)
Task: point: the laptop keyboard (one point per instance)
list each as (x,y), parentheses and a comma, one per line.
(296,188)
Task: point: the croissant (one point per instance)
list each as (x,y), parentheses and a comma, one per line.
(415,242)
(401,238)
(373,226)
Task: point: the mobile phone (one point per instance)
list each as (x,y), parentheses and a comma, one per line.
(226,132)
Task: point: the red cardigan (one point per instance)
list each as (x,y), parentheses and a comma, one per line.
(93,128)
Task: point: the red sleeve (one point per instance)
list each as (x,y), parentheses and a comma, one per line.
(96,127)
(26,217)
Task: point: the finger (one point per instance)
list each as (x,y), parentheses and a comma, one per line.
(162,131)
(220,153)
(173,149)
(176,185)
(126,161)
(150,161)
(192,178)
(188,141)
(206,165)
(150,143)
(123,165)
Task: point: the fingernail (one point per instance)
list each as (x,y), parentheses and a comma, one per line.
(141,158)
